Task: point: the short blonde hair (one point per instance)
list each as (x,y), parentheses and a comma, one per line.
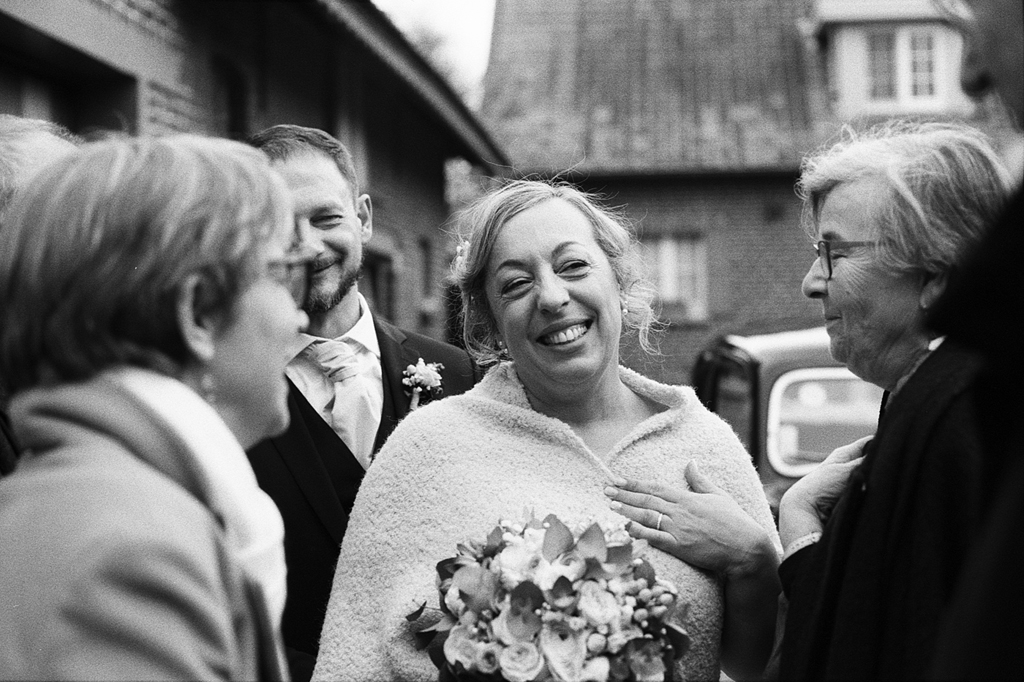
(479,226)
(94,252)
(18,149)
(947,185)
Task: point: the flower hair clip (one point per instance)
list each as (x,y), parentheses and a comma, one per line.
(422,378)
(461,253)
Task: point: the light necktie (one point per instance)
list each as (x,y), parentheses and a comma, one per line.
(339,359)
(354,417)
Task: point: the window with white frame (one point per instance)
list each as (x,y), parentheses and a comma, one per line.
(679,270)
(902,64)
(882,64)
(922,64)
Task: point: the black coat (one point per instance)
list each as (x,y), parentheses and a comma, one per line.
(313,477)
(866,600)
(981,634)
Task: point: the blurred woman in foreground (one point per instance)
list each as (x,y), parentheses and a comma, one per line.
(150,291)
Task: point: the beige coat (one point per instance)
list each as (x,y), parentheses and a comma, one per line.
(112,565)
(451,470)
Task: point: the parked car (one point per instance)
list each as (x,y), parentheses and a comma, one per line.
(790,403)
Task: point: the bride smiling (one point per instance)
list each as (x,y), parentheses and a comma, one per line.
(549,282)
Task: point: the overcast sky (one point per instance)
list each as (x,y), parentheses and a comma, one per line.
(466,25)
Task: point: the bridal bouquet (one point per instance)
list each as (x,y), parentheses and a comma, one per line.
(537,601)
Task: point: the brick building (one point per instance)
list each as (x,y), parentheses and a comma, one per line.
(694,115)
(230,68)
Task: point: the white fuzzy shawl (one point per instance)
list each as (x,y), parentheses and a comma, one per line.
(451,470)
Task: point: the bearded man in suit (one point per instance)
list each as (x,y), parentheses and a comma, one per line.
(346,392)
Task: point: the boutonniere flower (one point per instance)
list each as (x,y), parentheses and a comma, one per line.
(424,382)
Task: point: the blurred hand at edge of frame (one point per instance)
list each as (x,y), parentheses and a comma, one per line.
(703,526)
(807,505)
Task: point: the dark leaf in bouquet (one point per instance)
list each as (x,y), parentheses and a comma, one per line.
(458,673)
(431,626)
(621,556)
(522,619)
(477,587)
(527,596)
(434,620)
(618,670)
(678,638)
(444,624)
(645,661)
(446,568)
(424,639)
(442,590)
(562,595)
(592,544)
(494,542)
(595,570)
(668,660)
(411,617)
(436,653)
(465,550)
(557,539)
(645,571)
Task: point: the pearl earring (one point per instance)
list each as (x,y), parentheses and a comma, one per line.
(207,388)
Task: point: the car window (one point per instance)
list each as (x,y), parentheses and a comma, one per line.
(734,400)
(813,411)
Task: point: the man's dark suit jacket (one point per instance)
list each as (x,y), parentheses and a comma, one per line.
(313,477)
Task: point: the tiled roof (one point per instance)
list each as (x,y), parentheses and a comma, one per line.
(371,27)
(653,85)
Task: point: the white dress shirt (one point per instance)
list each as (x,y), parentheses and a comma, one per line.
(352,406)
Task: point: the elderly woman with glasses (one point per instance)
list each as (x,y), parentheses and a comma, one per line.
(875,537)
(150,290)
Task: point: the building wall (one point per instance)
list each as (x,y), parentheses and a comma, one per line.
(233,68)
(757,257)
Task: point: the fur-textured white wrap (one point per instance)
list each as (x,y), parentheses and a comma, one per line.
(452,469)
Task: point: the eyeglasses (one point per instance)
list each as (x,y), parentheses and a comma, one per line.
(823,249)
(294,271)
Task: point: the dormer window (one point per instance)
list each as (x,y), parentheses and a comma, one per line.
(922,64)
(891,58)
(882,64)
(901,65)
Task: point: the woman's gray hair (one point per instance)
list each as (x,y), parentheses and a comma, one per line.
(946,182)
(477,228)
(95,251)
